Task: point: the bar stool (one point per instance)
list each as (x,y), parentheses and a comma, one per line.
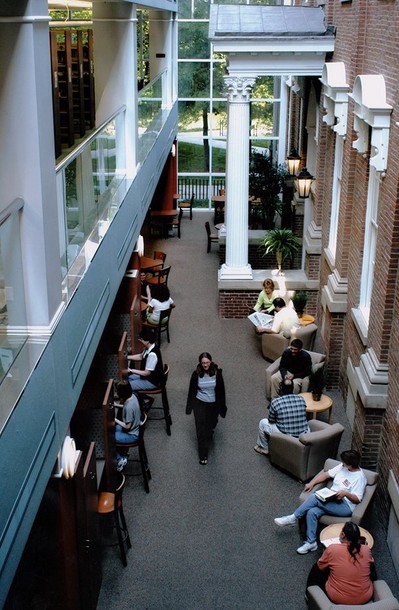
(165,403)
(111,504)
(139,444)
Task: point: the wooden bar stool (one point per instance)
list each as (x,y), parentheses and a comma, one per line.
(142,458)
(165,403)
(111,504)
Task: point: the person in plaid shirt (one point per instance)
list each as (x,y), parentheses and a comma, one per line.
(287,414)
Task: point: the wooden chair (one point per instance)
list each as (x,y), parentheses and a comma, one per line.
(188,205)
(142,457)
(162,326)
(212,237)
(165,403)
(160,256)
(110,503)
(175,223)
(159,276)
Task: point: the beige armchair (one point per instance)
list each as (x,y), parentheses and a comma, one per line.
(274,344)
(360,509)
(303,457)
(317,359)
(383,599)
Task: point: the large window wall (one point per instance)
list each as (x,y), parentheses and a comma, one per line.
(203,107)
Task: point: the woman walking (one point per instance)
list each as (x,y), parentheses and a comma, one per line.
(206,397)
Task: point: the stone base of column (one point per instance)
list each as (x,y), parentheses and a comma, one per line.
(235,273)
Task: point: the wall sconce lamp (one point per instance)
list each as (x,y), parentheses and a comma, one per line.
(303,183)
(173,151)
(293,161)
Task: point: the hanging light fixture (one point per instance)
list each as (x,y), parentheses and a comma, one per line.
(293,161)
(303,183)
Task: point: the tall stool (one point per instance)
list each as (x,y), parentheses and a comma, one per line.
(139,444)
(165,403)
(111,504)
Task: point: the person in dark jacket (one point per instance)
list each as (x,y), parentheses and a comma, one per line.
(295,365)
(149,376)
(207,398)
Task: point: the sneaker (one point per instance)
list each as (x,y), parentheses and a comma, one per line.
(307,547)
(260,449)
(283,521)
(121,463)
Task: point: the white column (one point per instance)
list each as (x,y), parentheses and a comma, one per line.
(237,169)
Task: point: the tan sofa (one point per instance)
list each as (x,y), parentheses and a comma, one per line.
(317,359)
(303,457)
(360,509)
(383,599)
(273,344)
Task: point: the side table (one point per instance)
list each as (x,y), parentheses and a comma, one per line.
(330,534)
(318,406)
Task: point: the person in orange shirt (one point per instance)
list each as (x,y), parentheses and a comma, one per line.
(346,570)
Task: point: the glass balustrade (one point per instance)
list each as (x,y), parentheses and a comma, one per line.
(153,108)
(91,185)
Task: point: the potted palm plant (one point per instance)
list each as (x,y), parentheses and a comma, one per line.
(299,301)
(283,243)
(317,381)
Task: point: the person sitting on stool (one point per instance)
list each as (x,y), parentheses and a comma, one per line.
(149,377)
(295,365)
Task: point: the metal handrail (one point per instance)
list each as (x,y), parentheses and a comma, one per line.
(79,149)
(11,209)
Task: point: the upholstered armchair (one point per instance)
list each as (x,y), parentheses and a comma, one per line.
(274,344)
(317,360)
(383,599)
(303,457)
(360,509)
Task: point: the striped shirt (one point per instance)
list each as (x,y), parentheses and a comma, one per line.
(289,414)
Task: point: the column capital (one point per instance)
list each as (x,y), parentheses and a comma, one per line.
(239,89)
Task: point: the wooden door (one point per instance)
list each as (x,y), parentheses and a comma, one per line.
(88,547)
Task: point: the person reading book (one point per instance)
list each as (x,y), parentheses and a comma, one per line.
(349,483)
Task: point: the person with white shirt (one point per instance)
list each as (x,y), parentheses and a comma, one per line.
(349,483)
(285,319)
(160,301)
(149,376)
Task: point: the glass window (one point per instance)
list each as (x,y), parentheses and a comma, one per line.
(194,80)
(195,46)
(193,118)
(264,88)
(262,119)
(219,156)
(194,9)
(194,156)
(218,120)
(219,86)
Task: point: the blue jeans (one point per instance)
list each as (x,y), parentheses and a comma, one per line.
(314,508)
(123,438)
(137,382)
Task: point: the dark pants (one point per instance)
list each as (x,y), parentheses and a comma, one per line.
(206,419)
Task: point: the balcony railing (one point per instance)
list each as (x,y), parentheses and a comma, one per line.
(152,111)
(91,185)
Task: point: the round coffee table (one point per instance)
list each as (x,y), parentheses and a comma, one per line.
(318,406)
(333,531)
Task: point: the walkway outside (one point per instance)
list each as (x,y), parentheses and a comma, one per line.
(204,538)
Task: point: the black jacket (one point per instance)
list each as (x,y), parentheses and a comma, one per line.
(220,393)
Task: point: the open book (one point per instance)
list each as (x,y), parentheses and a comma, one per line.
(261,319)
(325,494)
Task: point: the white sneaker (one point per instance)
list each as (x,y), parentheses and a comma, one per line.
(307,547)
(121,463)
(288,520)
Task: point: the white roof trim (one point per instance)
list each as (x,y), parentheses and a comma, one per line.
(335,96)
(371,110)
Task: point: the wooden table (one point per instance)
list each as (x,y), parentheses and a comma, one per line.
(318,406)
(147,263)
(334,530)
(306,319)
(164,217)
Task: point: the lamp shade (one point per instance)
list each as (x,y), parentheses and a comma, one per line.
(303,183)
(293,161)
